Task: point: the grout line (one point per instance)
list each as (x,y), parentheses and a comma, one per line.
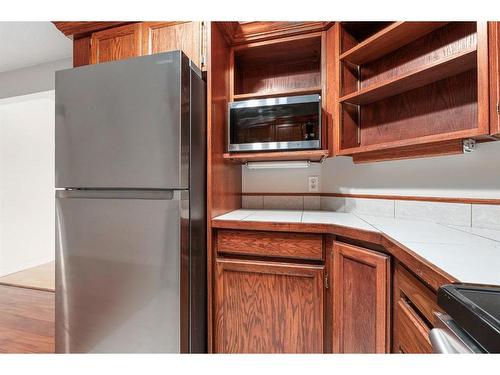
(465,231)
(471,215)
(370,224)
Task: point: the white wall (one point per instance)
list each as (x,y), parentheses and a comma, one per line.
(475,175)
(26,181)
(31,79)
(278,180)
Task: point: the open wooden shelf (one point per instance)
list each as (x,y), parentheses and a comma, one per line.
(452,135)
(272,94)
(311,155)
(422,76)
(387,40)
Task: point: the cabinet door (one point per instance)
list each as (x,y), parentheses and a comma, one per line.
(170,36)
(361,285)
(265,307)
(117,43)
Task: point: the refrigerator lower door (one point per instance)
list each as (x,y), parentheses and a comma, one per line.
(118,277)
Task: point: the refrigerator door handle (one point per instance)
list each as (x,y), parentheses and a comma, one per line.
(123,194)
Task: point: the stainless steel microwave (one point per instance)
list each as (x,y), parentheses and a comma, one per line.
(286,123)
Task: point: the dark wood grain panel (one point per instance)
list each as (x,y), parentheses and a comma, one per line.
(452,147)
(494,73)
(81,51)
(267,67)
(26,320)
(442,43)
(116,44)
(412,334)
(253,31)
(448,105)
(224,177)
(353,33)
(408,287)
(361,295)
(271,244)
(388,39)
(418,77)
(158,37)
(264,307)
(79,29)
(243,157)
(363,235)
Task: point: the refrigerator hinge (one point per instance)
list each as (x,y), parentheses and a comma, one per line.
(203,45)
(327,285)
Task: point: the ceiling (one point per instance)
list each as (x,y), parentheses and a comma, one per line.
(24,44)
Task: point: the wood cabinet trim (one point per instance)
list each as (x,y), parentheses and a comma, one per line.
(236,33)
(298,246)
(494,76)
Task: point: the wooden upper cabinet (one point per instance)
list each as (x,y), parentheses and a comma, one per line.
(170,36)
(361,300)
(410,89)
(268,307)
(138,39)
(494,64)
(116,44)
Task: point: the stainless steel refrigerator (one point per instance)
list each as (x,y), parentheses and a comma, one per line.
(131,207)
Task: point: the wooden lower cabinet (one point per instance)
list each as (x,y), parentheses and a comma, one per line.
(414,307)
(361,300)
(268,307)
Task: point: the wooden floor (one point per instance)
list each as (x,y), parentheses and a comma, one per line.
(40,277)
(26,320)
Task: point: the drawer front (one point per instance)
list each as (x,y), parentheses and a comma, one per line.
(413,334)
(271,244)
(422,298)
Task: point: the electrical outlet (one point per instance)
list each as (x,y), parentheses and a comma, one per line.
(313,183)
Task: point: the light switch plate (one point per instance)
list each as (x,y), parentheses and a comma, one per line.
(313,183)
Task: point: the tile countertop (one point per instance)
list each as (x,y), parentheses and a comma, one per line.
(467,254)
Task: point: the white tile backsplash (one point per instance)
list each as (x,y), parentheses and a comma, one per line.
(368,206)
(252,201)
(486,216)
(333,204)
(438,212)
(312,202)
(283,202)
(465,215)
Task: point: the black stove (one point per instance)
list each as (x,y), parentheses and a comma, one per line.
(474,309)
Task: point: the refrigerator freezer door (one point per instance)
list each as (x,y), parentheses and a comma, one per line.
(124,124)
(118,278)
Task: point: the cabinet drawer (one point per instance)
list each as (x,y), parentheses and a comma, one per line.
(420,297)
(413,334)
(271,244)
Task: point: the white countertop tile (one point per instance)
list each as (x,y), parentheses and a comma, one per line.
(279,216)
(468,254)
(492,234)
(235,215)
(337,218)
